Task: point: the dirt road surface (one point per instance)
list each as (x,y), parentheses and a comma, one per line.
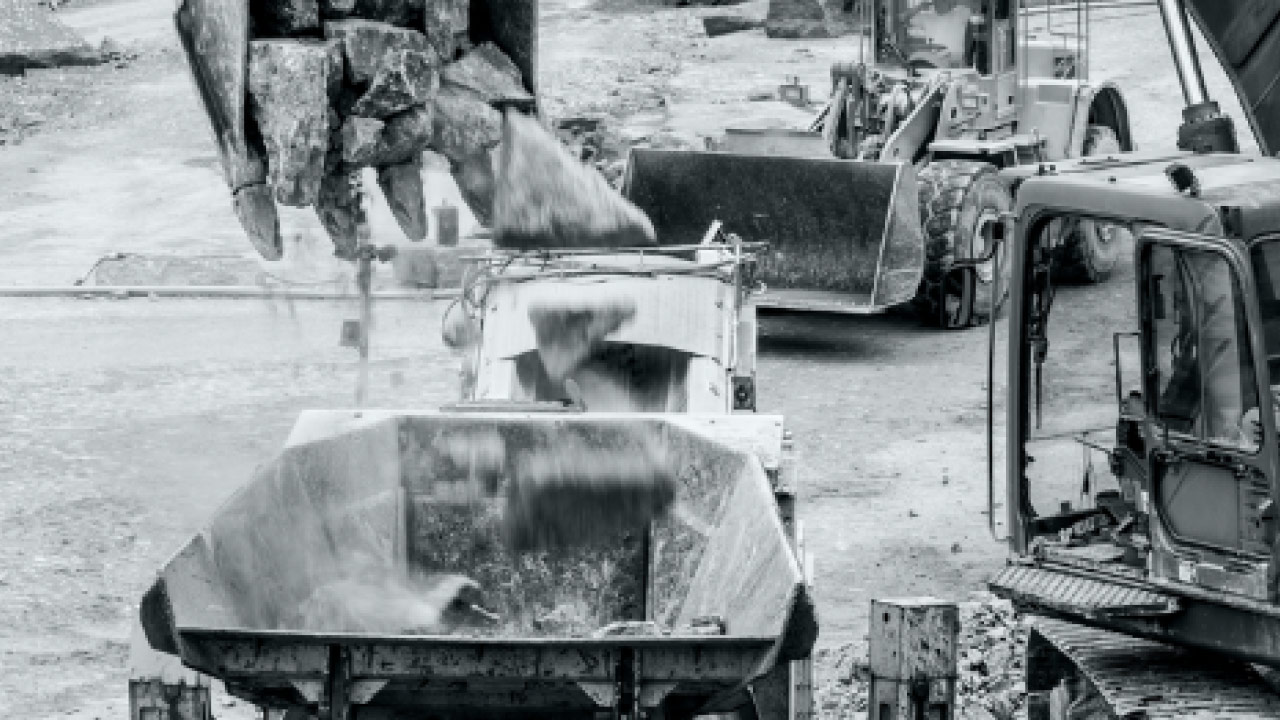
(123,424)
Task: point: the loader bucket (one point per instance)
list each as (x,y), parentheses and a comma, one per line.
(844,226)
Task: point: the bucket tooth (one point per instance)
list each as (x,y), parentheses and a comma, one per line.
(255,206)
(402,187)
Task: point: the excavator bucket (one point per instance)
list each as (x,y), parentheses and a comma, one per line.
(215,36)
(843,235)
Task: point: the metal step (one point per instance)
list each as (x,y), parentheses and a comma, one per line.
(1150,680)
(1090,596)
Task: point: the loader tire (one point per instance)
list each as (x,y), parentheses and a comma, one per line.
(960,206)
(1087,250)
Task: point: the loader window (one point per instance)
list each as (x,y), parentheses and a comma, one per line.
(937,33)
(1202,366)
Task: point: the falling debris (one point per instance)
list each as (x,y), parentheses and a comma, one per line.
(572,495)
(382,601)
(566,334)
(546,198)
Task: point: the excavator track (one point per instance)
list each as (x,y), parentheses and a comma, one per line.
(1142,679)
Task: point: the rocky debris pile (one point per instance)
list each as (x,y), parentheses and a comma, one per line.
(993,645)
(841,681)
(336,86)
(991,668)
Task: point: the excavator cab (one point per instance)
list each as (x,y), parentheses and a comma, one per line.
(1155,514)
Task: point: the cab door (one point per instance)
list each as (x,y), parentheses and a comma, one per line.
(1208,413)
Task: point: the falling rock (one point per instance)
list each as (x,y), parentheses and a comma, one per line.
(338,207)
(488,73)
(290,86)
(284,18)
(366,43)
(473,174)
(256,210)
(464,124)
(406,136)
(543,197)
(406,78)
(402,187)
(445,23)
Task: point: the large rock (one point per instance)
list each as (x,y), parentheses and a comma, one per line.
(445,23)
(488,74)
(795,19)
(291,83)
(406,136)
(406,78)
(361,140)
(402,187)
(31,37)
(338,207)
(284,18)
(464,124)
(366,44)
(545,198)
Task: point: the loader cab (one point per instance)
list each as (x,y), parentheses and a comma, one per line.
(945,34)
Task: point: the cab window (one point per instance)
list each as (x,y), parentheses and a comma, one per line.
(1203,371)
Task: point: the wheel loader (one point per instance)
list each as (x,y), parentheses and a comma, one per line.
(892,196)
(1151,560)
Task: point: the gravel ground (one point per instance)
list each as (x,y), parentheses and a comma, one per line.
(126,423)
